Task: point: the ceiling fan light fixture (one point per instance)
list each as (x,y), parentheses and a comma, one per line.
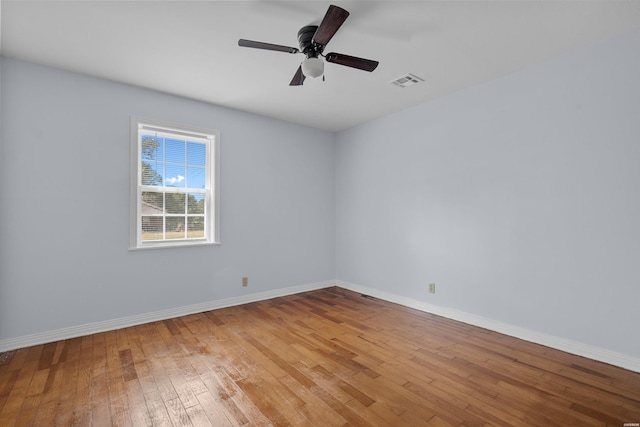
(313,67)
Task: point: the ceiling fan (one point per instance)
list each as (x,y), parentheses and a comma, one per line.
(312,40)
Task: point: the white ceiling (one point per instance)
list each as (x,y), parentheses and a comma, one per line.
(189,48)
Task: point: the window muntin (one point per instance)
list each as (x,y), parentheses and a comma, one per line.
(176,197)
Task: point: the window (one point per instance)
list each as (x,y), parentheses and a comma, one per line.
(174,185)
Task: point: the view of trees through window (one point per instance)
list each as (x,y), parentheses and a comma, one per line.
(173,176)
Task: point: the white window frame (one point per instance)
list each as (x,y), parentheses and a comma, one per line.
(211,192)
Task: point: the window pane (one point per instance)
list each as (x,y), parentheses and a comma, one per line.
(152,147)
(195,177)
(151,228)
(152,203)
(196,153)
(175,203)
(195,229)
(175,228)
(151,173)
(195,203)
(175,150)
(175,175)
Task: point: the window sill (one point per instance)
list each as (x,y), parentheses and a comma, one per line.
(173,245)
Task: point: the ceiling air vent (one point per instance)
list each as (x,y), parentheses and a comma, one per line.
(407,80)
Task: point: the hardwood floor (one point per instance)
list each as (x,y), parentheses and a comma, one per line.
(324,358)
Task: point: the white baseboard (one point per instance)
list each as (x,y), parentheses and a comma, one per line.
(139,319)
(573,347)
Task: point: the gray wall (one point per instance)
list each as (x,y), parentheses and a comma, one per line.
(64,205)
(519,198)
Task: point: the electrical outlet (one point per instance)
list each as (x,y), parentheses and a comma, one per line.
(432,288)
(245,281)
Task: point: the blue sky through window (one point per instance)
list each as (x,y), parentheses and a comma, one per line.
(178,163)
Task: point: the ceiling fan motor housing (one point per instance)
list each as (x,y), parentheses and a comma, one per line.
(305,39)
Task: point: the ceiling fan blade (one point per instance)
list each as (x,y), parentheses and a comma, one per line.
(267,46)
(352,61)
(331,22)
(298,78)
